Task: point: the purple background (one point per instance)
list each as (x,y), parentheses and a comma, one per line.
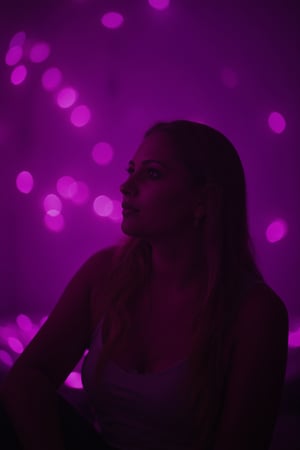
(158,65)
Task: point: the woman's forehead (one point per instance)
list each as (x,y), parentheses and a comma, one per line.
(156,146)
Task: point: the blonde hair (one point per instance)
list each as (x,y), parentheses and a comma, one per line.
(211,161)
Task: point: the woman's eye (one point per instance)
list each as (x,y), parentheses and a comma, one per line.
(148,170)
(154,171)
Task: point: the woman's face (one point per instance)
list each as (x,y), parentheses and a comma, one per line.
(159,187)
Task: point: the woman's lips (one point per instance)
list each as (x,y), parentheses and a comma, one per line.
(129,211)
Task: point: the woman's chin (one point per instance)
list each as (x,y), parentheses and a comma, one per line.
(129,229)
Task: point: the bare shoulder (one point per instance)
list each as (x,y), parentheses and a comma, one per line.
(100,263)
(256,372)
(69,325)
(262,311)
(99,267)
(262,298)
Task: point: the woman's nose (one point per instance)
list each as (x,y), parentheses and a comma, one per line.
(127,187)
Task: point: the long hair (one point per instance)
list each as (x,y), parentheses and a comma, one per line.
(213,163)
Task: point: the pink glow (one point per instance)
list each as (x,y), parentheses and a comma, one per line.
(6,358)
(66,187)
(24,182)
(74,380)
(15,344)
(13,55)
(51,79)
(52,205)
(18,39)
(294,338)
(80,116)
(103,206)
(39,52)
(43,320)
(18,75)
(112,20)
(276,230)
(29,334)
(159,4)
(102,153)
(116,214)
(54,223)
(277,122)
(66,97)
(229,77)
(82,193)
(24,322)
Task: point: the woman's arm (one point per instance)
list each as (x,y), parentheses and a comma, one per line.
(256,378)
(29,400)
(29,391)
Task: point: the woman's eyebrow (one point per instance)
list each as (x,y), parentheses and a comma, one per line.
(149,161)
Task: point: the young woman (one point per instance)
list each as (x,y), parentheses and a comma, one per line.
(187,343)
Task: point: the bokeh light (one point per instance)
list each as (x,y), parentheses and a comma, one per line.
(112,20)
(18,39)
(102,153)
(54,223)
(276,122)
(51,79)
(6,359)
(80,116)
(66,97)
(52,205)
(294,338)
(18,75)
(24,182)
(43,320)
(276,231)
(116,214)
(39,52)
(229,77)
(159,4)
(74,380)
(14,55)
(24,322)
(103,206)
(82,193)
(15,344)
(66,186)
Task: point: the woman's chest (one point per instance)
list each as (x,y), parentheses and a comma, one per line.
(159,337)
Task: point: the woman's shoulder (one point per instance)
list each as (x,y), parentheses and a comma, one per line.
(103,253)
(260,302)
(259,305)
(100,262)
(100,266)
(257,291)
